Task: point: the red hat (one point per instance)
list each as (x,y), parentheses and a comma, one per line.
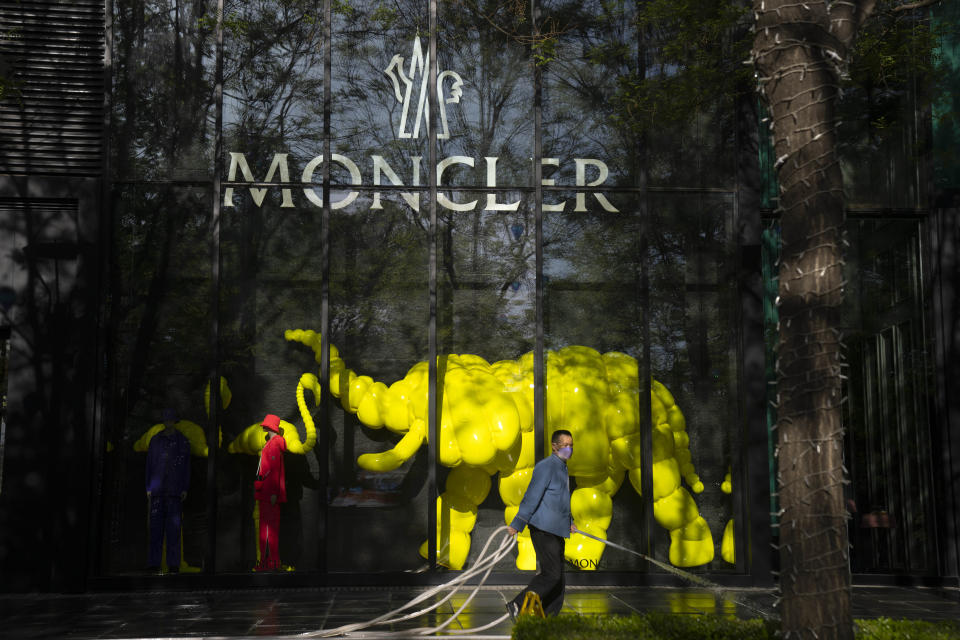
(271,423)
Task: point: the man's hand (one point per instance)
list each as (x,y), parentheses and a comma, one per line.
(511,531)
(183,496)
(573,527)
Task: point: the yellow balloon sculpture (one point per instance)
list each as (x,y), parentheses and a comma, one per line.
(727,547)
(193,432)
(252,439)
(486,427)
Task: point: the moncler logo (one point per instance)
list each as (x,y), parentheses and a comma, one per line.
(449,91)
(411,88)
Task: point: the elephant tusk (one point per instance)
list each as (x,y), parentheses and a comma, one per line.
(374,403)
(390,460)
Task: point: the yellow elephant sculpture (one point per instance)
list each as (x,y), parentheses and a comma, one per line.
(486,427)
(727,542)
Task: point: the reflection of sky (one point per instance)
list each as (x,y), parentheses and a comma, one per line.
(273,82)
(559,267)
(493,118)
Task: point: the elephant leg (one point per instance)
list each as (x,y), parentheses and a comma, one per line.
(466,488)
(512,487)
(592,507)
(691,543)
(727,544)
(526,556)
(184,567)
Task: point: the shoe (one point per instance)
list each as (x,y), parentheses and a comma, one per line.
(513,610)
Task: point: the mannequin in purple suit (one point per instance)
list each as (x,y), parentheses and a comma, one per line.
(167,479)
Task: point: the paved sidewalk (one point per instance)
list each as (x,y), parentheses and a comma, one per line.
(265,613)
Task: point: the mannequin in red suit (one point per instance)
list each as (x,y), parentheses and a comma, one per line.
(270,491)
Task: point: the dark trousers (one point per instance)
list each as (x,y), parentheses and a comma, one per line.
(165,523)
(269,535)
(548,583)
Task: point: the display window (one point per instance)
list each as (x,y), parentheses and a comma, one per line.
(408,242)
(518,246)
(154,501)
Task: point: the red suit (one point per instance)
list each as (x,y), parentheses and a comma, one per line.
(270,490)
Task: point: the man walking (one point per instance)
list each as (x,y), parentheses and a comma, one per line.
(545,508)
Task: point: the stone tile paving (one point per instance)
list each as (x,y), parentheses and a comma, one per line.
(272,613)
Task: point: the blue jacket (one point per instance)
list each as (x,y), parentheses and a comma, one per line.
(546,504)
(168,464)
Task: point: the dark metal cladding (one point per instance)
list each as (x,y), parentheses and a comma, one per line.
(51,109)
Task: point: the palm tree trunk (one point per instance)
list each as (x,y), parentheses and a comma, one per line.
(798,51)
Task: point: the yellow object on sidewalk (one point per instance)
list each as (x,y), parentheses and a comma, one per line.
(532,605)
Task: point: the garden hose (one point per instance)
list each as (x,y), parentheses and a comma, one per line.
(717,590)
(484,565)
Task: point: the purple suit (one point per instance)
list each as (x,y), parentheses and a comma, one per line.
(167,478)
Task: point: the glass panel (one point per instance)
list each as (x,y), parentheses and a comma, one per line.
(270,275)
(484,96)
(693,348)
(946,131)
(891,497)
(486,278)
(379,282)
(879,169)
(584,139)
(163,89)
(593,319)
(879,139)
(273,98)
(599,73)
(270,282)
(486,316)
(379,315)
(161,335)
(378,119)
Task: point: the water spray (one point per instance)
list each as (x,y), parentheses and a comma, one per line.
(693,578)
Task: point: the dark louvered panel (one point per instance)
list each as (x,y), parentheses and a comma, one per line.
(51,114)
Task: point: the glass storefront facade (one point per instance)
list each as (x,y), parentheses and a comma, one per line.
(530,232)
(423,235)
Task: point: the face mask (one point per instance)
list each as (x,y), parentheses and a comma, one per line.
(564,453)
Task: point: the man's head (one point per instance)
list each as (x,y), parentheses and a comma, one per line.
(562,443)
